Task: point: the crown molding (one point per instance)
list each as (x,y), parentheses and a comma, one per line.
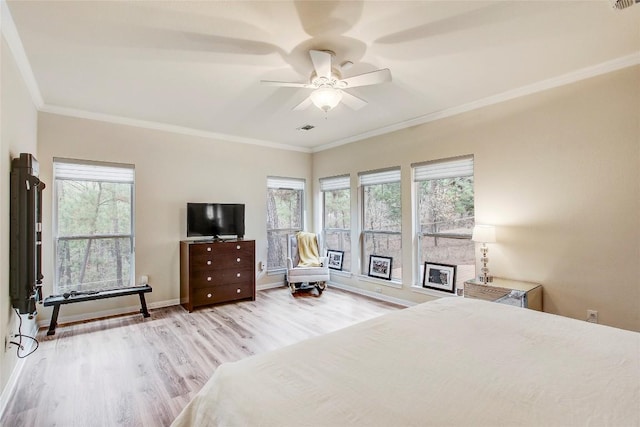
(83,114)
(564,79)
(10,33)
(12,37)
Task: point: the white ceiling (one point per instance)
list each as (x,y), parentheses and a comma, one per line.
(196,66)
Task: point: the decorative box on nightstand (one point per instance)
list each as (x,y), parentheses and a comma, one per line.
(506,291)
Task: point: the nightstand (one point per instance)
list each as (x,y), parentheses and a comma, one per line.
(506,291)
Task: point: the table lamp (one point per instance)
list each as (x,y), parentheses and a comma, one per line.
(484,234)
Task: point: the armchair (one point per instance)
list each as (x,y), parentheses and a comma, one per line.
(305,277)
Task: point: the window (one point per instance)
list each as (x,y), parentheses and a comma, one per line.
(445,214)
(284,216)
(382,218)
(93,225)
(336,216)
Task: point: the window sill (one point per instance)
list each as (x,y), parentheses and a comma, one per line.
(389,283)
(431,292)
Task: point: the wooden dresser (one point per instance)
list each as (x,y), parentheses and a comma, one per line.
(213,272)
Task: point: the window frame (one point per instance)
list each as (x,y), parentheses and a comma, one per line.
(286,183)
(340,182)
(55,212)
(376,177)
(452,167)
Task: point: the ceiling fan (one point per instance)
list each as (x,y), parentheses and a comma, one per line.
(329,86)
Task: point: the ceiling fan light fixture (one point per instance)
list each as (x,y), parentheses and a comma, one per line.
(326,98)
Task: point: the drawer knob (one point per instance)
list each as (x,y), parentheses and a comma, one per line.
(237,259)
(208,249)
(238,275)
(238,247)
(209,295)
(208,278)
(238,291)
(209,262)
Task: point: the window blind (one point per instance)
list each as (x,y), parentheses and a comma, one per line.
(380,177)
(335,183)
(79,170)
(443,169)
(285,183)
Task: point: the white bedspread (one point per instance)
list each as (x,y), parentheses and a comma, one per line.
(450,362)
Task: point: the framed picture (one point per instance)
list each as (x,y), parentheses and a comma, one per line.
(380,267)
(335,259)
(439,276)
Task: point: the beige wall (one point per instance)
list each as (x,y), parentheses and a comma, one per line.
(171,170)
(557,172)
(18,124)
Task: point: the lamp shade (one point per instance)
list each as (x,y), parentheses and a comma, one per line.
(325,98)
(484,234)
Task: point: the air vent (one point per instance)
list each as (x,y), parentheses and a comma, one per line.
(623,4)
(306,127)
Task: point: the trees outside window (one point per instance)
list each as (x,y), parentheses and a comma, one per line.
(445,214)
(285,211)
(336,203)
(382,218)
(93,223)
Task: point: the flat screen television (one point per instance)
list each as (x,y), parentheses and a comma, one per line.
(215,220)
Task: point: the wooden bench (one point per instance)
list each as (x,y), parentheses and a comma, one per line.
(73,297)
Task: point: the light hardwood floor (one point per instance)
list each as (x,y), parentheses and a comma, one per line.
(126,371)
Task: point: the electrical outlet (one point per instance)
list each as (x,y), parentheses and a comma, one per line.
(592,316)
(7,342)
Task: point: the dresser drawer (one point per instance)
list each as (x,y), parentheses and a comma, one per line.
(204,249)
(201,249)
(215,264)
(215,294)
(226,276)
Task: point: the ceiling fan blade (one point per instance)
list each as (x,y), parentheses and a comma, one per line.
(324,18)
(352,101)
(477,16)
(321,62)
(303,105)
(284,84)
(371,78)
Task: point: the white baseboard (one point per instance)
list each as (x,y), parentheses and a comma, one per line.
(274,285)
(11,385)
(107,313)
(374,295)
(160,304)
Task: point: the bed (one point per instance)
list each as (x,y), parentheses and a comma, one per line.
(450,362)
